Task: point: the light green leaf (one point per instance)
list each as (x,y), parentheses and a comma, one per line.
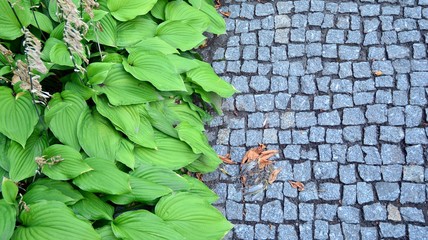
(217,25)
(122,88)
(18,117)
(131,32)
(96,135)
(70,166)
(22,164)
(5,70)
(142,224)
(7,220)
(153,44)
(76,86)
(50,220)
(161,117)
(10,25)
(97,72)
(9,190)
(62,116)
(200,189)
(171,153)
(196,140)
(202,221)
(105,178)
(180,35)
(155,68)
(181,10)
(162,176)
(64,187)
(49,44)
(204,164)
(205,77)
(42,21)
(212,98)
(4,146)
(158,10)
(40,193)
(142,190)
(125,10)
(182,64)
(186,114)
(125,154)
(147,131)
(106,233)
(53,9)
(59,54)
(107,35)
(93,208)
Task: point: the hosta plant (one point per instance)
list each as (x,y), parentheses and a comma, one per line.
(102,113)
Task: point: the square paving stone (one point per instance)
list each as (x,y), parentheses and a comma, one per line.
(387,191)
(329,191)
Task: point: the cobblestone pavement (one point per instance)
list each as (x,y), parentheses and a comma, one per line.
(340,88)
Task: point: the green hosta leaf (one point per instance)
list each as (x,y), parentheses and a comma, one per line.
(125,10)
(153,44)
(97,72)
(142,190)
(133,31)
(22,164)
(204,164)
(162,176)
(200,189)
(180,35)
(201,221)
(161,117)
(196,140)
(7,220)
(205,77)
(155,68)
(105,178)
(50,220)
(147,131)
(122,88)
(5,70)
(64,187)
(125,154)
(40,193)
(186,114)
(4,146)
(18,117)
(171,153)
(62,116)
(182,64)
(108,35)
(78,88)
(106,233)
(181,10)
(93,208)
(70,166)
(96,135)
(142,224)
(212,98)
(60,55)
(41,21)
(217,25)
(53,9)
(158,10)
(10,25)
(9,190)
(127,120)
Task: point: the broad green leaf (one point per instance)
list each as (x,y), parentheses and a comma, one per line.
(142,224)
(22,164)
(97,136)
(4,146)
(126,119)
(93,208)
(7,220)
(55,13)
(106,233)
(212,98)
(142,190)
(182,64)
(18,116)
(64,187)
(125,153)
(70,166)
(77,87)
(40,20)
(201,221)
(10,25)
(49,44)
(217,25)
(158,10)
(50,220)
(153,44)
(106,35)
(155,68)
(204,164)
(125,10)
(62,116)
(57,33)
(3,173)
(186,114)
(122,88)
(200,189)
(180,35)
(196,140)
(5,70)
(205,77)
(40,193)
(59,54)
(162,176)
(181,10)
(105,178)
(161,117)
(131,32)
(97,72)
(9,190)
(171,153)
(147,131)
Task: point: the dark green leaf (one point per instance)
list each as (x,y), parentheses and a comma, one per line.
(93,208)
(10,25)
(7,220)
(64,187)
(106,233)
(40,193)
(42,21)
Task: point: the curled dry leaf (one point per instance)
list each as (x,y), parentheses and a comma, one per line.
(273,175)
(253,153)
(226,14)
(263,163)
(243,180)
(264,156)
(199,176)
(300,187)
(378,73)
(226,159)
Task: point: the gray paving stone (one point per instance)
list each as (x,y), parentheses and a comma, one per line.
(369,233)
(305,230)
(391,134)
(325,153)
(412,214)
(287,232)
(300,102)
(417,232)
(363,98)
(353,116)
(412,193)
(265,9)
(290,210)
(347,174)
(355,154)
(347,52)
(395,51)
(263,231)
(413,115)
(306,211)
(392,230)
(329,191)
(352,133)
(364,192)
(326,211)
(374,212)
(369,173)
(414,155)
(234,211)
(342,101)
(310,193)
(275,191)
(418,96)
(322,102)
(391,154)
(349,195)
(234,192)
(339,153)
(325,170)
(387,191)
(348,214)
(372,155)
(272,212)
(281,100)
(302,171)
(376,113)
(391,173)
(335,232)
(416,136)
(300,136)
(413,173)
(237,137)
(370,134)
(316,134)
(284,137)
(292,152)
(243,231)
(321,229)
(383,96)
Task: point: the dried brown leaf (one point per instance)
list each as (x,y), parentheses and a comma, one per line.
(263,163)
(300,186)
(378,73)
(226,159)
(251,155)
(226,14)
(199,176)
(273,175)
(243,180)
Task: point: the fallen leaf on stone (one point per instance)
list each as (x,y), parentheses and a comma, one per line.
(217,3)
(300,187)
(253,153)
(264,162)
(273,175)
(199,176)
(378,73)
(226,159)
(226,14)
(243,180)
(264,156)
